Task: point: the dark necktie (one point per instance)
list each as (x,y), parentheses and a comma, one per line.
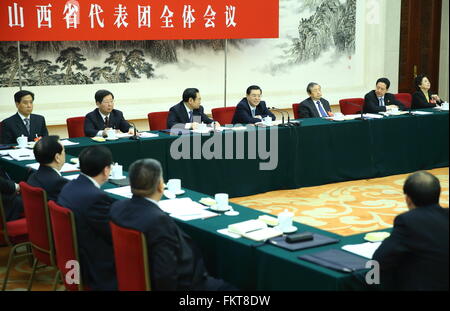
(323,114)
(106,121)
(191,116)
(381,101)
(27,124)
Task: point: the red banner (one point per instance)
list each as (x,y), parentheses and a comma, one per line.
(59,20)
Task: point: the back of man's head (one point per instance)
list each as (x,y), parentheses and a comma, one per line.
(94,159)
(422,188)
(46,148)
(145,177)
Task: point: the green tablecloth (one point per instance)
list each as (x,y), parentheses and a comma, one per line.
(316,153)
(252,265)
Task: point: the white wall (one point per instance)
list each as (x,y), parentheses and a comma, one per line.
(377,55)
(443,62)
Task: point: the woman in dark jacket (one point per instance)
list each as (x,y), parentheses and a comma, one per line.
(423,98)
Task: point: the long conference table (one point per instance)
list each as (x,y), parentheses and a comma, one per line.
(317,152)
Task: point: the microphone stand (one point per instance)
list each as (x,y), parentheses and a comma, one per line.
(289,123)
(292,123)
(135,136)
(282,116)
(362,111)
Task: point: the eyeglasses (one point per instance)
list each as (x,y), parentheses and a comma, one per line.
(108,102)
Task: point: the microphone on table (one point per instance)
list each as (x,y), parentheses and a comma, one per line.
(362,110)
(282,115)
(135,136)
(289,123)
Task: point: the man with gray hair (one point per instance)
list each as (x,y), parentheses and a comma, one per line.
(415,256)
(175,262)
(315,106)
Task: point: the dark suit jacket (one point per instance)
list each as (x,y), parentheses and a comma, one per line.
(178,115)
(419,100)
(307,108)
(243,114)
(175,262)
(12,203)
(94,122)
(90,206)
(372,105)
(46,178)
(14,127)
(415,256)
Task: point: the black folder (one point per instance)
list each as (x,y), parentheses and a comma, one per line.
(337,259)
(120,182)
(318,240)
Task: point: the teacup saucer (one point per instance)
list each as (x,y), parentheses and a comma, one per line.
(216,209)
(289,230)
(120,177)
(179,192)
(170,193)
(110,138)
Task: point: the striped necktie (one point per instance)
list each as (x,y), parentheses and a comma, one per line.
(323,114)
(27,124)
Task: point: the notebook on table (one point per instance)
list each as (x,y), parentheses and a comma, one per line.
(337,259)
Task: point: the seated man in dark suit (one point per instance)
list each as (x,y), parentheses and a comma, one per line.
(315,106)
(90,206)
(50,154)
(188,113)
(105,117)
(12,202)
(423,97)
(251,109)
(379,100)
(174,261)
(415,256)
(23,122)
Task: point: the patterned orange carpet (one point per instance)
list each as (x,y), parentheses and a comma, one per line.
(344,208)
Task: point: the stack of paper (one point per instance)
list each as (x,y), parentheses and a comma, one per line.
(147,135)
(21,154)
(175,206)
(254,229)
(185,209)
(121,191)
(365,249)
(123,135)
(421,113)
(66,142)
(71,177)
(373,116)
